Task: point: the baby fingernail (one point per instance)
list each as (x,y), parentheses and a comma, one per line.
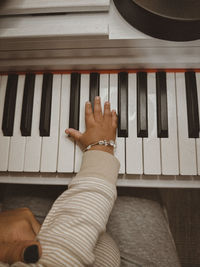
(97,98)
(31,254)
(67,133)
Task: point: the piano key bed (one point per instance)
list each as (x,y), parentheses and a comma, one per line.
(158,125)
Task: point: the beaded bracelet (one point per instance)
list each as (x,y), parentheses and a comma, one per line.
(102,143)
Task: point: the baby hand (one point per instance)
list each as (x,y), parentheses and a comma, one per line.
(98,126)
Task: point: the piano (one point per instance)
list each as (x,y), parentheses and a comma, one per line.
(57,55)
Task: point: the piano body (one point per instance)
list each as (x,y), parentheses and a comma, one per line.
(58,54)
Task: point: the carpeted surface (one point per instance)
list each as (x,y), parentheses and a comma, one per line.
(183,209)
(182,206)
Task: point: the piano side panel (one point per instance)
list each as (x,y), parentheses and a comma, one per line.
(123,181)
(100,58)
(86,45)
(68,25)
(13,7)
(36,32)
(96,40)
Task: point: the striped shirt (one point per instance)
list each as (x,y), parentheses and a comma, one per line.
(73,233)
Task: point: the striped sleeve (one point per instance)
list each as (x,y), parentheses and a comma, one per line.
(79,216)
(72,228)
(106,252)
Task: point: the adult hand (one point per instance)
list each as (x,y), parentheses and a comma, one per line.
(18,230)
(99,126)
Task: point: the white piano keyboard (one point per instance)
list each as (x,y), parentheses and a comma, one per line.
(172,161)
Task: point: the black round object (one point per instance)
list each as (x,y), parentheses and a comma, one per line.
(173,20)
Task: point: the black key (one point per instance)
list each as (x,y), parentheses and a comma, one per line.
(94,86)
(45,111)
(123,104)
(27,106)
(192,104)
(74,101)
(9,105)
(161,96)
(142,105)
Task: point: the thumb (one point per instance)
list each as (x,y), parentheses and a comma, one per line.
(32,252)
(73,133)
(24,251)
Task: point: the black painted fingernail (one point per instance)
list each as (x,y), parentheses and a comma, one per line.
(31,254)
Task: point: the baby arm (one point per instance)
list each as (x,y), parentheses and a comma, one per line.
(78,217)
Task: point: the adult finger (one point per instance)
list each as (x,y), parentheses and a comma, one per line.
(97,109)
(89,116)
(29,216)
(35,224)
(24,251)
(31,252)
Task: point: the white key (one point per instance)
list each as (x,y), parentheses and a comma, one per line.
(34,142)
(169,146)
(50,144)
(4,140)
(17,142)
(103,89)
(134,151)
(198,139)
(66,146)
(84,96)
(187,149)
(151,145)
(120,151)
